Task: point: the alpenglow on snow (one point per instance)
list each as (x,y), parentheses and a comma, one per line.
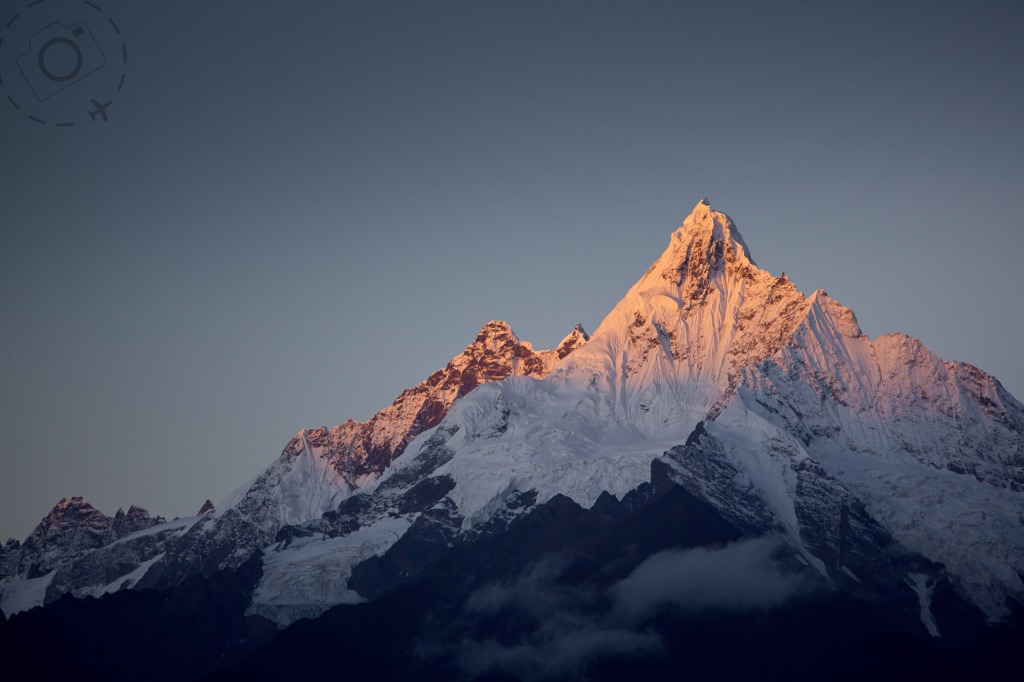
(877,462)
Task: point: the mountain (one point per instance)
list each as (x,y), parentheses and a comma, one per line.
(71,535)
(343,459)
(876,460)
(71,529)
(723,455)
(76,549)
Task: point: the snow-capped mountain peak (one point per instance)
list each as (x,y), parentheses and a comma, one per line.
(880,464)
(699,314)
(707,226)
(786,389)
(662,358)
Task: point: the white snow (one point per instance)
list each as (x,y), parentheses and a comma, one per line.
(310,487)
(765,454)
(18,594)
(179,526)
(972,528)
(311,575)
(919,583)
(21,595)
(548,443)
(123,583)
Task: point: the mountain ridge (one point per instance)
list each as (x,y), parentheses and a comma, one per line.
(885,469)
(312,475)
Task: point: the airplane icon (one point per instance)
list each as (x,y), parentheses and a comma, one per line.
(100,109)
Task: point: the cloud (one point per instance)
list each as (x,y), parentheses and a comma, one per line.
(536,591)
(562,647)
(551,630)
(741,576)
(568,630)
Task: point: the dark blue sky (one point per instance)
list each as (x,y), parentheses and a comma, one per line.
(296,210)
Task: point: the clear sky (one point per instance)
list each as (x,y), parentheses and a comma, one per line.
(298,209)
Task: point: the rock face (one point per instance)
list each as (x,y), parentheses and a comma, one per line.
(360,451)
(71,529)
(135,520)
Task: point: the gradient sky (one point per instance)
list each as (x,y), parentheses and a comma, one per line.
(298,209)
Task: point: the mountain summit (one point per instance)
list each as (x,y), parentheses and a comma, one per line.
(701,312)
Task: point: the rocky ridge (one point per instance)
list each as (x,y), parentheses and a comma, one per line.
(79,550)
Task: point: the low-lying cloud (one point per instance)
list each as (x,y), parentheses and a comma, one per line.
(561,648)
(738,577)
(575,625)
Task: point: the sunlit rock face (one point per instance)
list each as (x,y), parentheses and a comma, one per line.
(358,450)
